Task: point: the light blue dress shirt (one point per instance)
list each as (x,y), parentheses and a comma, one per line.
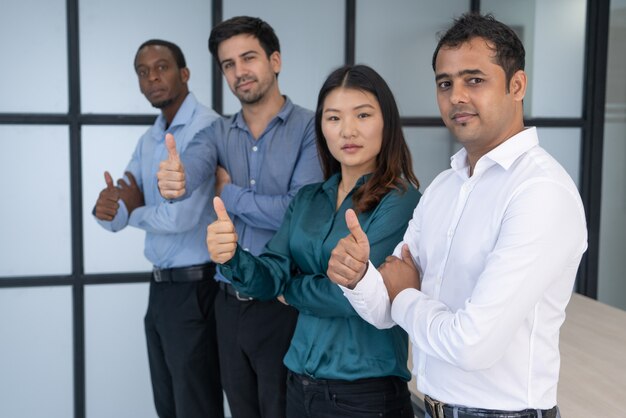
(175,230)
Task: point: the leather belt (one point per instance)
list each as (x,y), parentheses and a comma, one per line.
(184,274)
(231,291)
(437,409)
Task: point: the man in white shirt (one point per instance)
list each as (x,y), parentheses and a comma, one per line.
(487,265)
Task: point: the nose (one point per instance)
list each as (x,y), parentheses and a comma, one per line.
(153,75)
(458,94)
(348,128)
(240,69)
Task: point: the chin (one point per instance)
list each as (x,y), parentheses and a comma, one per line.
(162,104)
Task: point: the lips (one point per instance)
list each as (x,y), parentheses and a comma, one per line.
(351,148)
(244,84)
(462,117)
(156,92)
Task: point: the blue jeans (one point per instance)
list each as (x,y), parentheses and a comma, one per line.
(364,398)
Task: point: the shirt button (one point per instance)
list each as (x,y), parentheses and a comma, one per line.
(255,148)
(253,182)
(246,249)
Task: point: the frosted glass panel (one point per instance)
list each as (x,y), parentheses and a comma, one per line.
(34,56)
(109,148)
(564,145)
(110,33)
(612,263)
(311,36)
(36,353)
(431,149)
(117,372)
(398,40)
(553,33)
(35,220)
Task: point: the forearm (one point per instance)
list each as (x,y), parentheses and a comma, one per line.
(317,295)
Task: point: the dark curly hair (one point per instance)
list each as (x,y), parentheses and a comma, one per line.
(510,53)
(393,169)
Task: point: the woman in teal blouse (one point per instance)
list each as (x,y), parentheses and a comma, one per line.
(340,366)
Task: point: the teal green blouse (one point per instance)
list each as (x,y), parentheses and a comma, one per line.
(331,341)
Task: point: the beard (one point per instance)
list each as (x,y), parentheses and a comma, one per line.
(163,104)
(252,96)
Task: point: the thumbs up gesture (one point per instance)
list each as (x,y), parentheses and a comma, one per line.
(106,205)
(221,237)
(171,174)
(348,260)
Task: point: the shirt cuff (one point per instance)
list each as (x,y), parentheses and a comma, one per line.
(230,196)
(370,299)
(401,306)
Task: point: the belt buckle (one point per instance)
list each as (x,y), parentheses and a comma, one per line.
(156,273)
(435,406)
(242,298)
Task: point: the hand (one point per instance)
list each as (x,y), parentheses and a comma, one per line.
(171,174)
(349,259)
(399,274)
(131,194)
(106,205)
(282,299)
(222,178)
(221,237)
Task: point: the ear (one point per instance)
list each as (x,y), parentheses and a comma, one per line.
(276,62)
(517,85)
(184,74)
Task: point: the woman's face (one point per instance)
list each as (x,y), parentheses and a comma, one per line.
(352,124)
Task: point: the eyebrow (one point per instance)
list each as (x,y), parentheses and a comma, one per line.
(364,105)
(460,73)
(243,54)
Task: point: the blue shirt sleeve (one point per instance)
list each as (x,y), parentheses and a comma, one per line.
(267,211)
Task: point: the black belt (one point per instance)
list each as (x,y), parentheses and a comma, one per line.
(184,274)
(438,409)
(231,291)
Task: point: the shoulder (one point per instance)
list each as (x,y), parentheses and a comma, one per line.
(408,196)
(204,116)
(299,116)
(309,191)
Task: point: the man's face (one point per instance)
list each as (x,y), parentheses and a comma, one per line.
(472,96)
(160,79)
(249,72)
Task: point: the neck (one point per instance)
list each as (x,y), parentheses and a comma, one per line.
(258,115)
(476,153)
(350,177)
(170,111)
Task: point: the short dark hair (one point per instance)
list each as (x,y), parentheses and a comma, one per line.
(244,25)
(510,53)
(174,49)
(394,169)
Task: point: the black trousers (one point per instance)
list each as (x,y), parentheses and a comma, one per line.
(182,349)
(364,398)
(253,337)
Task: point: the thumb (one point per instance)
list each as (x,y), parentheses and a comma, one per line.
(355,228)
(170,144)
(406,255)
(108,180)
(220,210)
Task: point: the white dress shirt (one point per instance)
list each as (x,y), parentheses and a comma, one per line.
(498,254)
